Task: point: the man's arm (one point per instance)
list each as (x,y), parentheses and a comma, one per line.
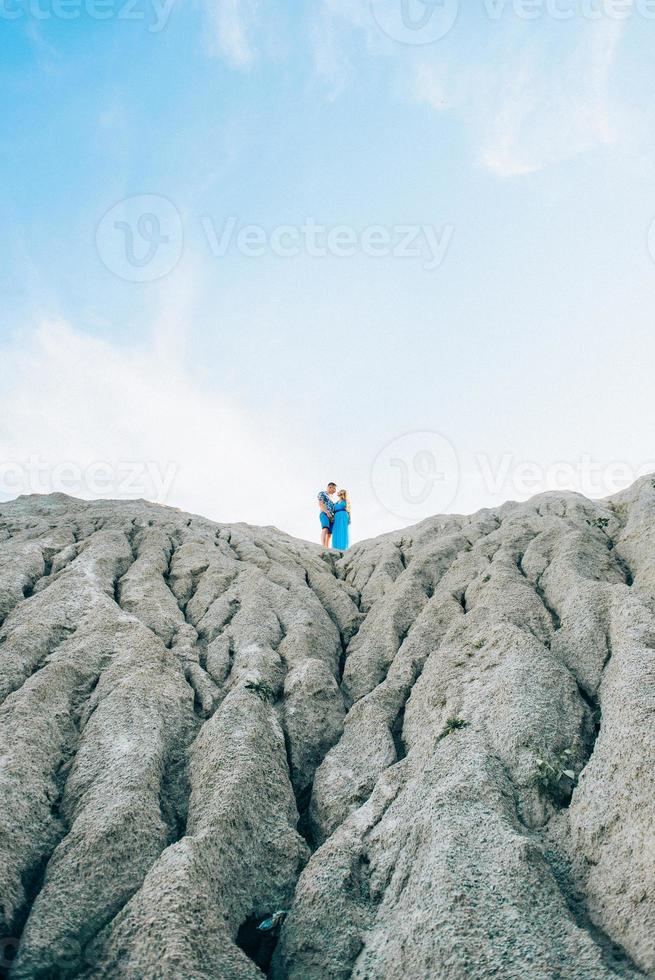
(322,505)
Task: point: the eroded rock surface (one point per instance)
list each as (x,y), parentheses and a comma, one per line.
(435,754)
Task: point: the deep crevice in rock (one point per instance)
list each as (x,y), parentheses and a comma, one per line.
(624,568)
(397,733)
(302,797)
(554,616)
(258,945)
(58,635)
(174,794)
(34,876)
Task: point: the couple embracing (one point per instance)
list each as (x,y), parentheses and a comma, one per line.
(334,517)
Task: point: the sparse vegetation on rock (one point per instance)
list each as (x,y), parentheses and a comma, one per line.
(551,774)
(259,688)
(452,725)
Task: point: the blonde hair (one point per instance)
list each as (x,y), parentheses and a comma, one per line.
(343,495)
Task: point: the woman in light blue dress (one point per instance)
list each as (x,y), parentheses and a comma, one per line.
(341,526)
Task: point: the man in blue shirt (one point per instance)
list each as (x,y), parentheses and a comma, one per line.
(326,513)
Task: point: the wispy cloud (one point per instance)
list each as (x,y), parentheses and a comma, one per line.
(50,59)
(331,64)
(540,94)
(428,86)
(232,27)
(534,117)
(70,399)
(338,26)
(330,28)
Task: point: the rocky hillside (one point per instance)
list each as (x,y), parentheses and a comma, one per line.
(435,754)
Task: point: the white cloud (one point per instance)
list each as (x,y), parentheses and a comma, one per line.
(91,418)
(428,87)
(331,26)
(232,26)
(69,398)
(538,97)
(532,114)
(331,63)
(337,27)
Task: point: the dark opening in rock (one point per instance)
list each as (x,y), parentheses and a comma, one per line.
(258,945)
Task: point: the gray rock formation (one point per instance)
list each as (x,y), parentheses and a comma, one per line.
(435,753)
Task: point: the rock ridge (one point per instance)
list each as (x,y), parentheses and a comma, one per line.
(435,752)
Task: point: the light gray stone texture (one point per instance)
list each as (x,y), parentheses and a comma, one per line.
(435,753)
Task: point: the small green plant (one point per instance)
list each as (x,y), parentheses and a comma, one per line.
(600,522)
(477,644)
(453,724)
(486,579)
(259,688)
(553,774)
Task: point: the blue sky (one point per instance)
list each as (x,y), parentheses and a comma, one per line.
(515,359)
